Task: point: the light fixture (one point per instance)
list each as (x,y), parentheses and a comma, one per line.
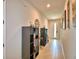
(48,5)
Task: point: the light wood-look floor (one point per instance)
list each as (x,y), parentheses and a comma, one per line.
(53,50)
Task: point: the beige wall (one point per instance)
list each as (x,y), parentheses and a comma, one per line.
(19,14)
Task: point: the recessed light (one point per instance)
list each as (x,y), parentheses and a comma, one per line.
(48,5)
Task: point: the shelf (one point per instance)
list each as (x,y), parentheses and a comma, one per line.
(31,56)
(31,38)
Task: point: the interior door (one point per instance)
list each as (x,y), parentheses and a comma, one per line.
(57,30)
(51,29)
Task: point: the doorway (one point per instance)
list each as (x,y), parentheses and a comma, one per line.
(55,30)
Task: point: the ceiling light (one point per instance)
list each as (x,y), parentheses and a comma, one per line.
(48,5)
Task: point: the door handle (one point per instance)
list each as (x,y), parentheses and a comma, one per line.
(3,44)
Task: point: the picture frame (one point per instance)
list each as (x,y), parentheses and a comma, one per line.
(63,23)
(68,14)
(74,13)
(65,19)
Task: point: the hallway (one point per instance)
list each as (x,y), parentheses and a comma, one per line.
(49,24)
(53,50)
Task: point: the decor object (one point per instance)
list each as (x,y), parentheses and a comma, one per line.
(36,23)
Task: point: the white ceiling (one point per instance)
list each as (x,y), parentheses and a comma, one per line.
(55,11)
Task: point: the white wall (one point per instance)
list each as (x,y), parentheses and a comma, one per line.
(19,14)
(44,23)
(68,38)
